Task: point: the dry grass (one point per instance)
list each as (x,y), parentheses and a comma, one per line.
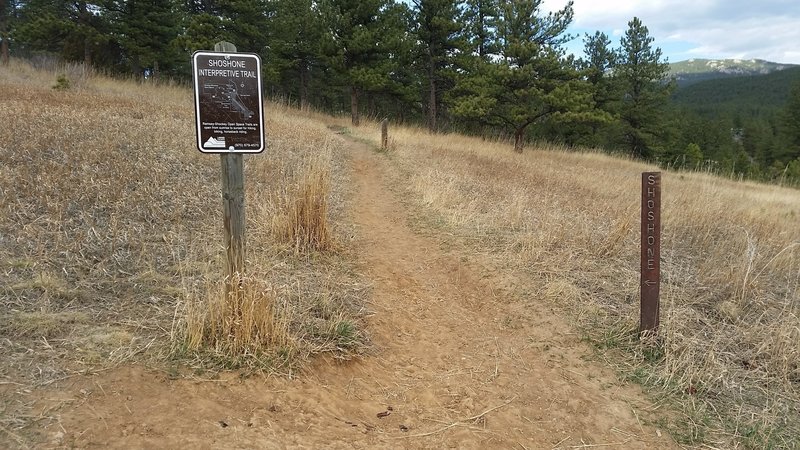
(302,221)
(111,237)
(235,323)
(568,223)
(110,243)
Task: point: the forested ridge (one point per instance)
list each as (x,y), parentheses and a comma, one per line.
(474,66)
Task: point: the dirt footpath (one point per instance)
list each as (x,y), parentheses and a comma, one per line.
(456,364)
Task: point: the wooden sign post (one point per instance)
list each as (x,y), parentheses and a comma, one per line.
(233,217)
(384,134)
(230,121)
(650,282)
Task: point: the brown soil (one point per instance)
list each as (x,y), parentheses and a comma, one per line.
(456,363)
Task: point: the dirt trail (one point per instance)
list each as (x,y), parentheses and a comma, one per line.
(455,365)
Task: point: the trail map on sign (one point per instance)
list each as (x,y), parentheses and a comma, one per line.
(228,102)
(227,98)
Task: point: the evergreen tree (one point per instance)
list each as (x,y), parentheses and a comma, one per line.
(354,46)
(597,68)
(197,7)
(643,76)
(480,19)
(437,30)
(791,123)
(294,46)
(247,22)
(201,31)
(404,84)
(146,30)
(531,80)
(74,30)
(598,65)
(8,9)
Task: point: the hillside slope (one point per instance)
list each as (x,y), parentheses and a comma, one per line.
(747,95)
(471,297)
(457,362)
(693,71)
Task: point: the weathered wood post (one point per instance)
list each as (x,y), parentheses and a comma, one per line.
(650,281)
(230,121)
(384,134)
(233,202)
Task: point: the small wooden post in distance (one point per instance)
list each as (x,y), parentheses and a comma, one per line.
(232,205)
(650,281)
(384,134)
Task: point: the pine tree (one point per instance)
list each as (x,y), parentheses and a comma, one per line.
(404,84)
(643,77)
(7,12)
(146,30)
(438,31)
(791,123)
(201,31)
(531,79)
(354,46)
(72,29)
(246,22)
(598,65)
(480,19)
(294,46)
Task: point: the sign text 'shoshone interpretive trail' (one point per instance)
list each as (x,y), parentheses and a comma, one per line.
(228,103)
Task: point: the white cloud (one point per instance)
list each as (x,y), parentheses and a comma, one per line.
(768,29)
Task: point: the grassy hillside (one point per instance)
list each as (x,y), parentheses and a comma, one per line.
(110,252)
(565,227)
(111,234)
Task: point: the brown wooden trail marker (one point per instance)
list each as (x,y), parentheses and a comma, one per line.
(384,134)
(650,282)
(230,121)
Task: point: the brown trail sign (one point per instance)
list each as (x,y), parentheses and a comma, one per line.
(651,252)
(228,104)
(230,121)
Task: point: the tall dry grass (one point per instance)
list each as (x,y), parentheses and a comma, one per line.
(111,234)
(567,224)
(236,324)
(302,218)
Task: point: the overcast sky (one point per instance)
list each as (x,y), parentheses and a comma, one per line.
(683,29)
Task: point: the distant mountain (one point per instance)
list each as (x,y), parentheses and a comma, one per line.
(695,70)
(748,95)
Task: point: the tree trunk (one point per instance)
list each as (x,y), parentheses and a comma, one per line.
(87,53)
(519,139)
(156,71)
(136,67)
(84,18)
(304,82)
(3,49)
(400,114)
(354,106)
(371,102)
(3,41)
(432,100)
